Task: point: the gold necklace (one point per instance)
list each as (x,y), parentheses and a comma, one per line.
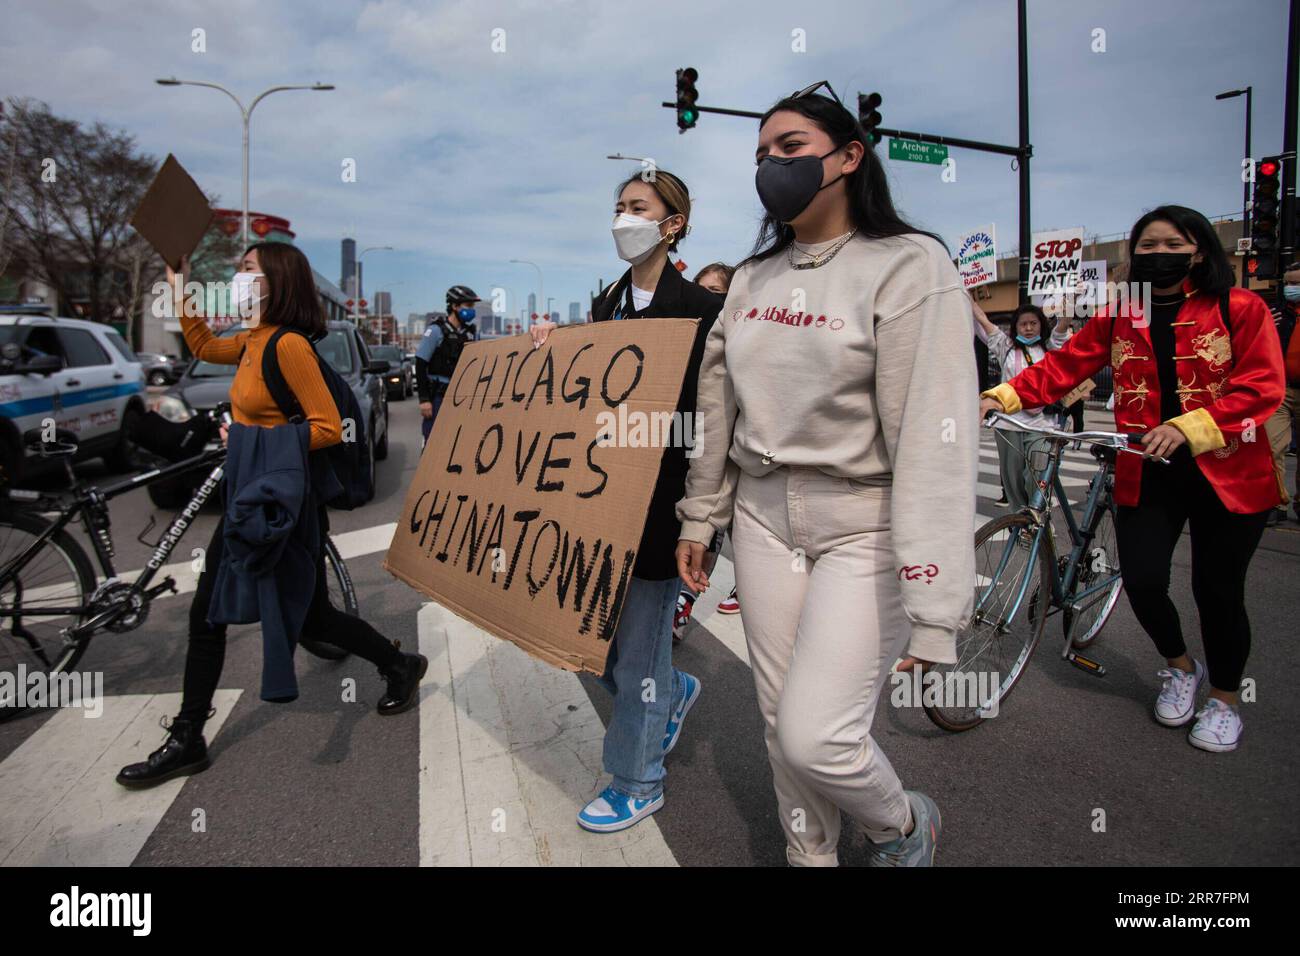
(818,260)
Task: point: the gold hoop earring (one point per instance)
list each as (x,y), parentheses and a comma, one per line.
(670,237)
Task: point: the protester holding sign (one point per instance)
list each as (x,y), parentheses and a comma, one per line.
(1015,353)
(274,289)
(835,429)
(651,697)
(1198,377)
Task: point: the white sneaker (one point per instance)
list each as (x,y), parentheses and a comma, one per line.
(1218,727)
(1176,704)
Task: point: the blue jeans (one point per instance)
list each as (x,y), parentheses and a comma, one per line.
(638,671)
(426,424)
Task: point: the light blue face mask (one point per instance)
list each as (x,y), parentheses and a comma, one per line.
(1024,341)
(1291,292)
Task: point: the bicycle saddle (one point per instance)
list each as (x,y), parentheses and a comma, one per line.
(65,442)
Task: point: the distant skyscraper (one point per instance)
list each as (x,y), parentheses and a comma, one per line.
(383,303)
(574,308)
(349,262)
(532,302)
(555,317)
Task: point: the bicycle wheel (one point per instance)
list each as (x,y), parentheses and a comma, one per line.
(1004,628)
(58,576)
(1099,563)
(342,596)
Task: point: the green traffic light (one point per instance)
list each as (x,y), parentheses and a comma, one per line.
(688,116)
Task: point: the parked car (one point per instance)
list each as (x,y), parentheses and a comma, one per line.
(400,380)
(161,369)
(204,385)
(79,375)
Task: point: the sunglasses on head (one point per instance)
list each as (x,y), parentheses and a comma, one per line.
(810,90)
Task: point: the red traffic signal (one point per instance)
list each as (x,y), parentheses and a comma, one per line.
(1268,167)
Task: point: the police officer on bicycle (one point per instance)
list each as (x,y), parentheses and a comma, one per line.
(439,350)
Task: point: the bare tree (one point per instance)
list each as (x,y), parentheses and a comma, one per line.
(69,198)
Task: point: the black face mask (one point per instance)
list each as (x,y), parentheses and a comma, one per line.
(787,184)
(1161,269)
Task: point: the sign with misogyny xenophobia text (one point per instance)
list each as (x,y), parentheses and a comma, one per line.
(977,257)
(526,510)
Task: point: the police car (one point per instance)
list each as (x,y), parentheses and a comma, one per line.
(81,375)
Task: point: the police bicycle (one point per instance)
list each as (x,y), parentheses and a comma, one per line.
(52,600)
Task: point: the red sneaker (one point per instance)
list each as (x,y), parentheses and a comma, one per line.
(730,604)
(685,604)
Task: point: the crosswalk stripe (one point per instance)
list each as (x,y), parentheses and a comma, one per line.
(62,806)
(510,750)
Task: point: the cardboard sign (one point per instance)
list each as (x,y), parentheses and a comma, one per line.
(1082,390)
(527,507)
(977,257)
(174,214)
(1055,261)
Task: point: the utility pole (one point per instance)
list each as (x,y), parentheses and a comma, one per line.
(1286,252)
(1026,151)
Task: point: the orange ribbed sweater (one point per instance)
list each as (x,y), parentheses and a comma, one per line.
(250,400)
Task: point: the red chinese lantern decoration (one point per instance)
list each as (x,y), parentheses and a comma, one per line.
(681,266)
(261,227)
(230,226)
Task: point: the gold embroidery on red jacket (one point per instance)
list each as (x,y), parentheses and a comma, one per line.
(1132,396)
(1214,347)
(1227,449)
(1121,351)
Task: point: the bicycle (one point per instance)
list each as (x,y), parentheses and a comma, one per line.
(52,603)
(1017,568)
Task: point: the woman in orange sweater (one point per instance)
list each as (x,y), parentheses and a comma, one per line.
(273,288)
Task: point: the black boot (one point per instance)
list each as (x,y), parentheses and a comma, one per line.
(403,683)
(183,752)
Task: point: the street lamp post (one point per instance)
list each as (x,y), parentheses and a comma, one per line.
(246,113)
(356,281)
(541,281)
(1245,184)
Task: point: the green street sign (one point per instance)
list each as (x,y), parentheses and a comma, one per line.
(915,152)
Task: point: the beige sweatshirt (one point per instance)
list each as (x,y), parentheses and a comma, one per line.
(863,368)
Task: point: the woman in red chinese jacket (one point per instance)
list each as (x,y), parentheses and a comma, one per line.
(1198,378)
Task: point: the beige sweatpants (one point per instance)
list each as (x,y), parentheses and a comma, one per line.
(1278,428)
(824,622)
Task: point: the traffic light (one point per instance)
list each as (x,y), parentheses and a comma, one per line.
(869,116)
(1265,219)
(686,97)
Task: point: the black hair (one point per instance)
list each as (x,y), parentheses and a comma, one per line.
(1044,324)
(871,208)
(1213,274)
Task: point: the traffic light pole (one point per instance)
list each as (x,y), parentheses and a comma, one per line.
(1286,254)
(1025,150)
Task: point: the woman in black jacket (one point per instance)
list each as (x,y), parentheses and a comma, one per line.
(652,212)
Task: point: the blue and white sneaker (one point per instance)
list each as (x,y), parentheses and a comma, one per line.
(691,693)
(613,810)
(917,848)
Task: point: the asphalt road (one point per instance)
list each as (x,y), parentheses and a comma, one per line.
(327,782)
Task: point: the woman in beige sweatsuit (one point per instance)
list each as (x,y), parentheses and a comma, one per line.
(839,435)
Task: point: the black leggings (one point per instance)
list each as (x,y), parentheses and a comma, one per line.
(1222,545)
(206,653)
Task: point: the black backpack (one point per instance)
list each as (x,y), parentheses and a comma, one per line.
(341,474)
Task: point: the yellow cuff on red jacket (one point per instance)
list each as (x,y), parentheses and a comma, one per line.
(1005,394)
(1199,429)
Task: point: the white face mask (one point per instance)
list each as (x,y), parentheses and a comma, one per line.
(636,238)
(243,297)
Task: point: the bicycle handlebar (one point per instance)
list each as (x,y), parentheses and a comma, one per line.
(1115,440)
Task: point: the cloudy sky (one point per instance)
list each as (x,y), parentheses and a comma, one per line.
(467,158)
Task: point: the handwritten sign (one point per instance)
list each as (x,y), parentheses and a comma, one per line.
(525,512)
(977,257)
(1055,261)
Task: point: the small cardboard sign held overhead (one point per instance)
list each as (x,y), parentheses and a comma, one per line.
(174,214)
(526,510)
